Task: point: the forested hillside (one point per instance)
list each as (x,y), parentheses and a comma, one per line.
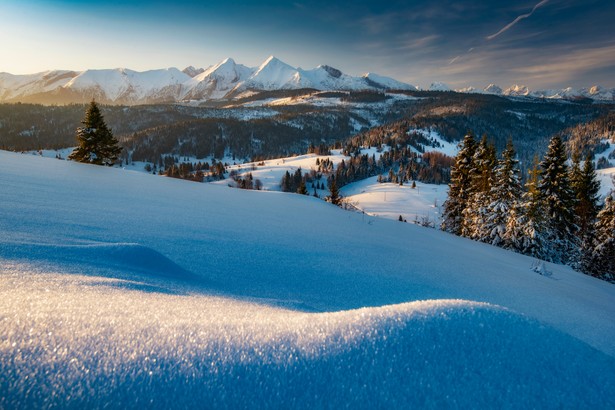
(277,123)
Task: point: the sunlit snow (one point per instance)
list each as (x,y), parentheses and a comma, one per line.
(122,289)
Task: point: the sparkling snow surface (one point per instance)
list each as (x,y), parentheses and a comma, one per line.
(121,289)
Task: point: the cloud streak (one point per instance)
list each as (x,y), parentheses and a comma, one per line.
(518,19)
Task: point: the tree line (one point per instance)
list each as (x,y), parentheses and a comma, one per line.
(555,217)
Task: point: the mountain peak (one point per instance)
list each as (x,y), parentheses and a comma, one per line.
(272,60)
(517,90)
(192,71)
(333,72)
(493,89)
(439,86)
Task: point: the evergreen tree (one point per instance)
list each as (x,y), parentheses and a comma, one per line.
(503,211)
(460,187)
(586,186)
(485,163)
(286,183)
(302,189)
(603,256)
(527,232)
(97,145)
(334,198)
(559,202)
(482,175)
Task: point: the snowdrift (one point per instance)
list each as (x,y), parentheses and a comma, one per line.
(88,343)
(121,289)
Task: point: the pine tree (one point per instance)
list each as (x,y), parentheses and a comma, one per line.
(559,202)
(485,163)
(586,186)
(603,259)
(527,232)
(286,183)
(460,186)
(97,145)
(302,189)
(334,198)
(503,211)
(482,175)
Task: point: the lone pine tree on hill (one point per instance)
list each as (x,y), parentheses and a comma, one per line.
(97,145)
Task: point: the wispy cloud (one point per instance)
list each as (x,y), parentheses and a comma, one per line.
(518,19)
(554,68)
(564,67)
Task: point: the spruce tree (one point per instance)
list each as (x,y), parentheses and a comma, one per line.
(97,145)
(460,187)
(302,189)
(482,175)
(485,162)
(334,198)
(527,233)
(603,258)
(559,202)
(586,187)
(503,211)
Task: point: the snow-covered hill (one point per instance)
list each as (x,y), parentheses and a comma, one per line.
(122,289)
(123,86)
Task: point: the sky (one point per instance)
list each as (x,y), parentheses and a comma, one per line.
(538,43)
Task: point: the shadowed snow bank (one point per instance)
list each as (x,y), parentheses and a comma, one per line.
(116,259)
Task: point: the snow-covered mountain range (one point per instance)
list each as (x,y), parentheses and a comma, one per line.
(595,92)
(224,80)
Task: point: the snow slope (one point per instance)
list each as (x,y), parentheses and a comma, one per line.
(122,289)
(270,172)
(131,86)
(380,81)
(12,86)
(387,200)
(216,81)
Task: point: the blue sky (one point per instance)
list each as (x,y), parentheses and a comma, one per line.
(543,44)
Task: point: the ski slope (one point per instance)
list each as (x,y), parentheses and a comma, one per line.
(122,289)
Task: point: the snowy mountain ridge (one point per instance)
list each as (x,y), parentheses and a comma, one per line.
(223,80)
(594,92)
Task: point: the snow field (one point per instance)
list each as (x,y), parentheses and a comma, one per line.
(273,170)
(388,200)
(122,289)
(73,341)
